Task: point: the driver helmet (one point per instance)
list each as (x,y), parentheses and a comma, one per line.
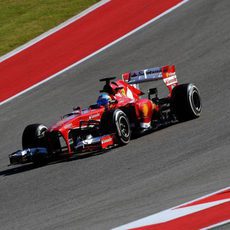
(103,99)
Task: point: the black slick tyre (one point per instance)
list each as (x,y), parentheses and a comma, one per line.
(122,126)
(116,121)
(34,136)
(186,102)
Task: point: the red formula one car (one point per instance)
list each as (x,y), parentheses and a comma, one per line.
(121,111)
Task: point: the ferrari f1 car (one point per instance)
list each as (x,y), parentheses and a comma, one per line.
(121,111)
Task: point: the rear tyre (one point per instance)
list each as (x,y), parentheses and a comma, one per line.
(34,136)
(186,102)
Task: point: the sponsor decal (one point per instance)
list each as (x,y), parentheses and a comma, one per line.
(94,115)
(68,126)
(106,140)
(123,92)
(170,79)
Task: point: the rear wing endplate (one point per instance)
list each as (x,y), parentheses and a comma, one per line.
(167,73)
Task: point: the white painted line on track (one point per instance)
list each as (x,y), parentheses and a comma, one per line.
(98,51)
(53,30)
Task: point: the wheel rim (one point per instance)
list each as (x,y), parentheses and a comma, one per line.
(195,99)
(124,127)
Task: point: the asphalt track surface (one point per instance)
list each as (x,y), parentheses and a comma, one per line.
(152,173)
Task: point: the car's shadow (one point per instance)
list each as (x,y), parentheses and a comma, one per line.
(12,170)
(19,169)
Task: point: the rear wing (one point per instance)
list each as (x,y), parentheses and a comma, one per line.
(167,73)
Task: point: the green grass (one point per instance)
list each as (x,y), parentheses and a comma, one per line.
(23,20)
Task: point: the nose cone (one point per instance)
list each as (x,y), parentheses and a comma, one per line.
(67,122)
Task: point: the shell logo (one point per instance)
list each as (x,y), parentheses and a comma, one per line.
(145,110)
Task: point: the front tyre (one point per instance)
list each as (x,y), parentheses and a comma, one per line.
(122,127)
(34,136)
(116,121)
(186,102)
